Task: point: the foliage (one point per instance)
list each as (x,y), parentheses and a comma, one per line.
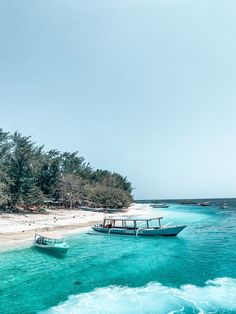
(71,189)
(30,176)
(111,197)
(4,195)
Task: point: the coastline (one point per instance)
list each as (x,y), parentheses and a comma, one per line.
(17,230)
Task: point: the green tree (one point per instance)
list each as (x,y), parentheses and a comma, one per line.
(71,189)
(109,197)
(71,163)
(49,173)
(4,193)
(5,147)
(22,166)
(28,175)
(111,179)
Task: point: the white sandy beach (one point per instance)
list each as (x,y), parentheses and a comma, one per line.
(19,229)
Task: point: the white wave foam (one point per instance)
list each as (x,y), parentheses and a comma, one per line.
(216,296)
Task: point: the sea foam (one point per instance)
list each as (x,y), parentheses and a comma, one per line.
(216,296)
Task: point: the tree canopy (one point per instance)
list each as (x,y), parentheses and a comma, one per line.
(30,175)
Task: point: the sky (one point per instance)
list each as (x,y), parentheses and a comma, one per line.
(146,88)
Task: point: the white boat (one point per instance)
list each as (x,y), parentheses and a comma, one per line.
(92,209)
(159,205)
(51,242)
(224,206)
(137,227)
(205,204)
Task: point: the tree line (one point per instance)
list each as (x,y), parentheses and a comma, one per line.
(31,176)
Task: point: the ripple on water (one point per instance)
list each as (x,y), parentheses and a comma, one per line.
(37,281)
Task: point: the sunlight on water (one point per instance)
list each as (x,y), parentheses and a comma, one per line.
(178,215)
(191,273)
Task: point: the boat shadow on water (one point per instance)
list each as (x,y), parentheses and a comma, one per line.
(57,255)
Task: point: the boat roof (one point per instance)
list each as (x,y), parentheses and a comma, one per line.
(50,235)
(130,218)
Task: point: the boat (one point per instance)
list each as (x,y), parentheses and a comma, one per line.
(205,204)
(188,202)
(224,206)
(137,227)
(92,209)
(51,242)
(101,209)
(159,205)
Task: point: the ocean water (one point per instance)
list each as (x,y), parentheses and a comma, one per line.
(192,273)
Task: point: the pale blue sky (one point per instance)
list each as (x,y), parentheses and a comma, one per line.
(143,87)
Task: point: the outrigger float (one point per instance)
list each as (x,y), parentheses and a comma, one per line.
(51,243)
(137,227)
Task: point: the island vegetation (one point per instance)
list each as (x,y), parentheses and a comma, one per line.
(31,178)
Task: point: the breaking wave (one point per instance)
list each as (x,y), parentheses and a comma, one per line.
(217,296)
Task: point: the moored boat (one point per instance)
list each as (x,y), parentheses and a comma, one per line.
(137,227)
(50,242)
(224,206)
(205,204)
(92,209)
(159,205)
(101,209)
(188,202)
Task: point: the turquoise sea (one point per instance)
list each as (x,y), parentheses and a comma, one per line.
(192,273)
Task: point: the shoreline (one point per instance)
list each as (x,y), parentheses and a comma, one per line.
(17,230)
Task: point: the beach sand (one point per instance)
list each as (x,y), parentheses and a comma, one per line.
(17,230)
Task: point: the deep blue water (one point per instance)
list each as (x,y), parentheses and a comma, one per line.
(192,273)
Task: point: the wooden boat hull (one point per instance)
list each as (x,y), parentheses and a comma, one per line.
(163,231)
(52,248)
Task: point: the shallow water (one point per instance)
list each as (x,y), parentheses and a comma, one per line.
(192,273)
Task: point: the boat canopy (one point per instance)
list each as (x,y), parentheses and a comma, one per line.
(129,222)
(130,218)
(49,237)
